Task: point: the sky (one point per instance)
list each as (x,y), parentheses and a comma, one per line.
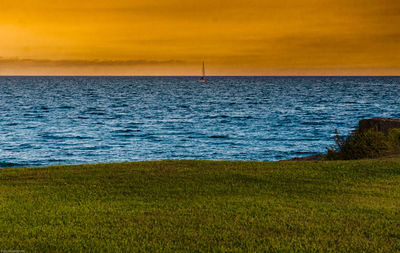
(173,37)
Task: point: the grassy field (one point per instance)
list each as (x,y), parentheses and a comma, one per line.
(203,206)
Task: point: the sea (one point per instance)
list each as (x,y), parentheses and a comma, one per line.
(77,120)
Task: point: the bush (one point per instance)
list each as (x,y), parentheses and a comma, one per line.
(365,144)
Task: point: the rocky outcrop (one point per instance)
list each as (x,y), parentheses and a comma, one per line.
(380,124)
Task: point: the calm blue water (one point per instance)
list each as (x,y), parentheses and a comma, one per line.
(70,120)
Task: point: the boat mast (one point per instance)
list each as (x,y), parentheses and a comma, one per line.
(203,77)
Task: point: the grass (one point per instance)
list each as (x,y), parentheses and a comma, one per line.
(203,206)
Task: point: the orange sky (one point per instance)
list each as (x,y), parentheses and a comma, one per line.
(172,37)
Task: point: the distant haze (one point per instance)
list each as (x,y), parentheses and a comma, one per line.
(173,37)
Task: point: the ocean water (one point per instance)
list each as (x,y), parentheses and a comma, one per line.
(72,120)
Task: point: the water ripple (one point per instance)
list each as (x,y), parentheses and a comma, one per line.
(53,120)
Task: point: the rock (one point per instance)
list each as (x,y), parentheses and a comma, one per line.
(380,124)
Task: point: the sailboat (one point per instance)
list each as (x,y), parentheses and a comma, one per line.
(203,77)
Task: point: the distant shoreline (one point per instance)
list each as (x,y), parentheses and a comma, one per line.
(195,76)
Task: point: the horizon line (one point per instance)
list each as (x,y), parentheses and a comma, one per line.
(199,75)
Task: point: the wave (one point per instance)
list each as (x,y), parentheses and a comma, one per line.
(66,107)
(10,165)
(127,131)
(219,136)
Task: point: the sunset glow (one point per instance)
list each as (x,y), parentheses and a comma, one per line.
(173,37)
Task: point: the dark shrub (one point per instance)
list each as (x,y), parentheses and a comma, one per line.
(370,143)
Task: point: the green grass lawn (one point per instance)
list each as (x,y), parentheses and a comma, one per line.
(203,206)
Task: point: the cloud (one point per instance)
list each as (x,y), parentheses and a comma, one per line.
(80,63)
(232,34)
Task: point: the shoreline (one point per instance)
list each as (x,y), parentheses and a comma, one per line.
(318,157)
